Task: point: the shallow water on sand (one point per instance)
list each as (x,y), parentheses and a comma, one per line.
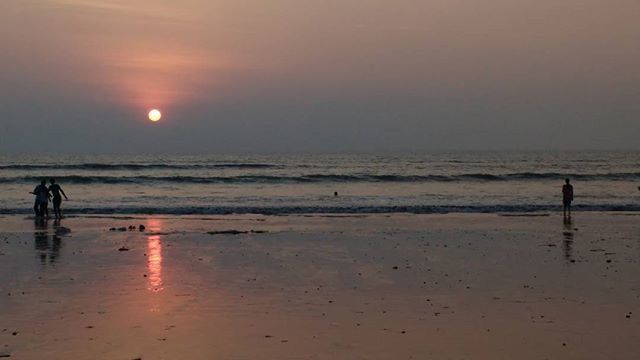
(321,287)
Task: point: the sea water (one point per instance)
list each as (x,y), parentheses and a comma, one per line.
(508,182)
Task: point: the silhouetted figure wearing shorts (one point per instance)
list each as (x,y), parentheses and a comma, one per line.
(567,198)
(56,190)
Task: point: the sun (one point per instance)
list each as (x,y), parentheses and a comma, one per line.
(155,115)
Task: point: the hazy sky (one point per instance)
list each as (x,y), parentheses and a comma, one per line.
(318,75)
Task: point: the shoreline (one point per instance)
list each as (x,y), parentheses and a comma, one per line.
(199,224)
(353,210)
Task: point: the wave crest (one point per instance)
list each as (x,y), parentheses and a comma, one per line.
(321,178)
(133,166)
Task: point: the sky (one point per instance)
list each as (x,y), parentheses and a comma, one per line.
(256,76)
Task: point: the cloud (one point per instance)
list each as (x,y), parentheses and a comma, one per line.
(119,8)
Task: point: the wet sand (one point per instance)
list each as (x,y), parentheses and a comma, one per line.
(454,286)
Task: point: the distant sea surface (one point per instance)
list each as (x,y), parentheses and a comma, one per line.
(498,182)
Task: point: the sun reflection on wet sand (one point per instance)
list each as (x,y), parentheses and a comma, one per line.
(154,257)
(154,263)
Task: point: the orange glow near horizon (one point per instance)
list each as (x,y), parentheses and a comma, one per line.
(168,78)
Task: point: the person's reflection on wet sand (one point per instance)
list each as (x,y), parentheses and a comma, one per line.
(41,244)
(40,224)
(55,248)
(47,246)
(567,242)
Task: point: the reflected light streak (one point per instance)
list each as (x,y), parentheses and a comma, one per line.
(154,263)
(154,225)
(154,257)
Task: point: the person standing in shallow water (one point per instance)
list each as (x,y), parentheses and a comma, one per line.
(56,190)
(567,198)
(42,199)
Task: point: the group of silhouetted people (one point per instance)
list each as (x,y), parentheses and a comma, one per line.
(44,194)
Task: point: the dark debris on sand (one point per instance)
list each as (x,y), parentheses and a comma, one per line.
(236,232)
(61,230)
(129,228)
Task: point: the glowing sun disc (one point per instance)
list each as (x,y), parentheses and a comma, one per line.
(155,115)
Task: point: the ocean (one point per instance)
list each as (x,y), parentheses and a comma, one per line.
(476,182)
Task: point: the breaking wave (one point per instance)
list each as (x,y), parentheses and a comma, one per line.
(320,178)
(134,166)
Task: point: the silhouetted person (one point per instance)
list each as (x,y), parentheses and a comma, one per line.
(56,190)
(567,198)
(42,199)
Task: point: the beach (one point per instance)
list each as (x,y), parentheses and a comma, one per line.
(321,180)
(321,286)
